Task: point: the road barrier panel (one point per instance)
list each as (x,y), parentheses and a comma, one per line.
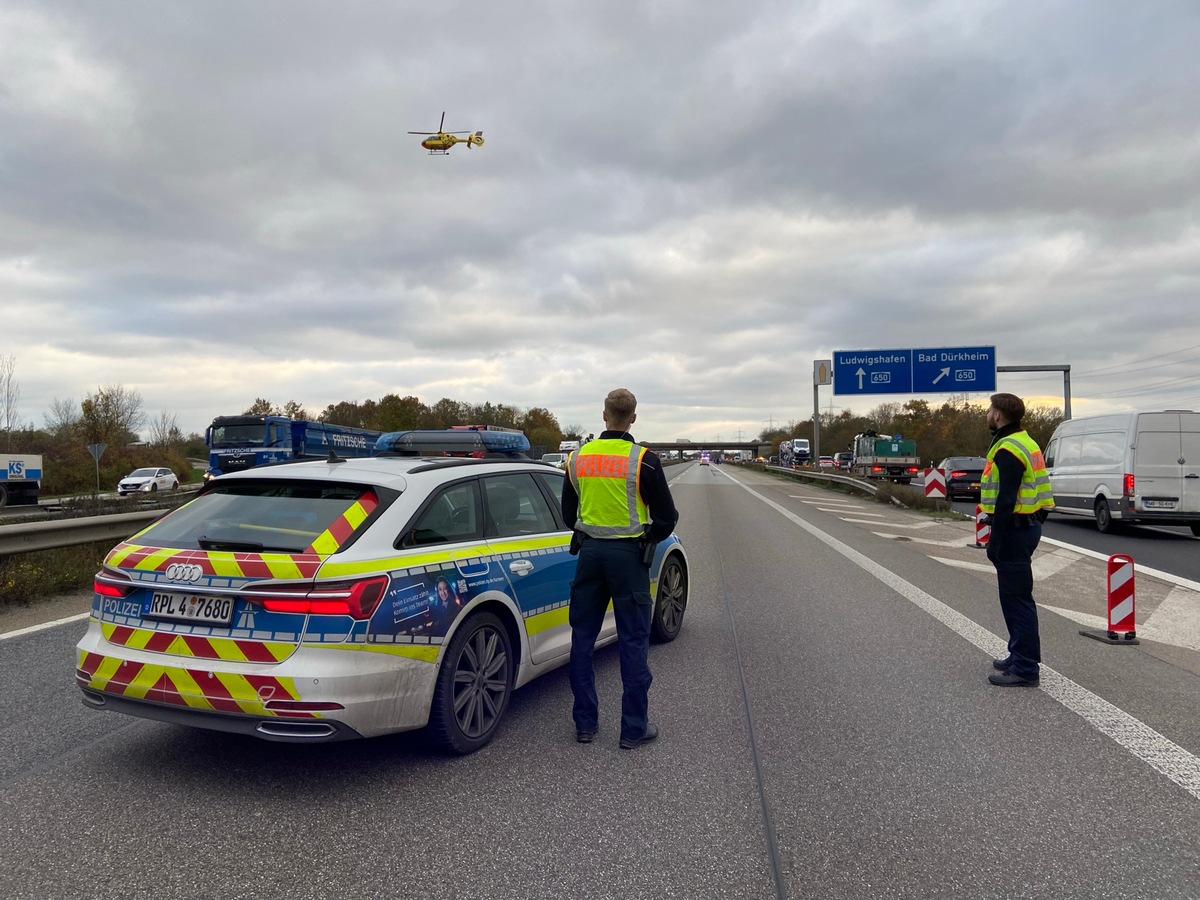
(935,483)
(983,531)
(1122,615)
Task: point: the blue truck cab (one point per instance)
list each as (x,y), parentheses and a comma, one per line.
(242,442)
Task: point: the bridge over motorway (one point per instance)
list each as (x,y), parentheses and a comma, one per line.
(689,447)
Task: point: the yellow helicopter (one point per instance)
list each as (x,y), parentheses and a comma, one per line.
(439,142)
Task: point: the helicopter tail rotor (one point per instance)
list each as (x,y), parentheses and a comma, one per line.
(475,140)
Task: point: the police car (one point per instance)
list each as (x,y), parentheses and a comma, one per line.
(334,599)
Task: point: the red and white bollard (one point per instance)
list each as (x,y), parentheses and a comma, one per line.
(983,530)
(1122,613)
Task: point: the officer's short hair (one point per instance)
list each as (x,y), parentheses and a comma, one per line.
(1010,406)
(620,405)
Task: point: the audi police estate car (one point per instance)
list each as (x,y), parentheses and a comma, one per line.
(332,599)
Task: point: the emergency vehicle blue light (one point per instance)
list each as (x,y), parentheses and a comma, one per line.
(431,441)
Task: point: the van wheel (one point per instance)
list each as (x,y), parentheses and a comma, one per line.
(473,686)
(1104,519)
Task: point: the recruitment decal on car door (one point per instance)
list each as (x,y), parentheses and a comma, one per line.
(422,602)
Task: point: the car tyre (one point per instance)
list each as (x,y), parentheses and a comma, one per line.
(473,686)
(1195,528)
(153,486)
(671,602)
(3,496)
(174,485)
(1104,519)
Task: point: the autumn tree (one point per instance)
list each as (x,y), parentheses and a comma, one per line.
(164,431)
(10,397)
(112,415)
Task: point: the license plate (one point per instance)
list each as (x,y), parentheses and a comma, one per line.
(1160,504)
(190,608)
(974,485)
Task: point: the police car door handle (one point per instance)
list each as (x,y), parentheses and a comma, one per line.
(520,567)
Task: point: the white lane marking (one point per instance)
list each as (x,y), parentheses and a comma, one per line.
(963,564)
(857,513)
(887,524)
(32,628)
(1097,622)
(1139,739)
(957,542)
(1179,616)
(848,504)
(1047,564)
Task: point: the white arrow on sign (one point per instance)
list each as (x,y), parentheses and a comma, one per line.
(942,374)
(860,373)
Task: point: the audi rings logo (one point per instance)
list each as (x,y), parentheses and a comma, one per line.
(184,572)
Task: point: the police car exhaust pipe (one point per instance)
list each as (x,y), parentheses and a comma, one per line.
(296,730)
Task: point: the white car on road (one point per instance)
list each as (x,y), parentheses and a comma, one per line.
(148,480)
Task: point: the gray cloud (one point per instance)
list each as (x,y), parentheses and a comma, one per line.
(214,202)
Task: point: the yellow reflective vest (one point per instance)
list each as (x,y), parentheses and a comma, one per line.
(1034,493)
(607,476)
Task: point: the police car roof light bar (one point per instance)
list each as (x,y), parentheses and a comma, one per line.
(414,443)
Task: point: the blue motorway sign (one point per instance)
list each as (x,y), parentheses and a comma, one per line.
(872,372)
(952,370)
(939,370)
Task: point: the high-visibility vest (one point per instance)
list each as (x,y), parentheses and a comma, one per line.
(1035,481)
(607,475)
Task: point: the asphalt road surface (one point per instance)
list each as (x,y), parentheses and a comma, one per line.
(827,732)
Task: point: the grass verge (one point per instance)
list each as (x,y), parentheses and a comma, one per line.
(26,578)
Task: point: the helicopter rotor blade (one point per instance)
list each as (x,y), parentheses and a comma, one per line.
(422,132)
(442,124)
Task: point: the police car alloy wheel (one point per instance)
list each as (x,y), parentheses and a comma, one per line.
(473,686)
(671,602)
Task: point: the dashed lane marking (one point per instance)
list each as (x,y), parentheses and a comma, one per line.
(891,524)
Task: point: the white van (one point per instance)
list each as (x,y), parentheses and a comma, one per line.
(558,460)
(1137,467)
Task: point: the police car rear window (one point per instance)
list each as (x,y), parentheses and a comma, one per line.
(270,516)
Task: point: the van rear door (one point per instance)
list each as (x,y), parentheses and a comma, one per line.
(1158,463)
(1189,440)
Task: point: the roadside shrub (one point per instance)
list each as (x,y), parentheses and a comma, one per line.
(26,578)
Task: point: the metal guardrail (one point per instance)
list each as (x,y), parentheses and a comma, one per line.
(31,537)
(816,475)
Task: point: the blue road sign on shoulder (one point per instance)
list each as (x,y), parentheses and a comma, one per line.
(872,372)
(949,370)
(938,370)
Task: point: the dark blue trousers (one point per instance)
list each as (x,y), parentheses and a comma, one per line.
(611,569)
(1011,552)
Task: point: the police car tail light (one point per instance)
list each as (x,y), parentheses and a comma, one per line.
(111,586)
(1128,484)
(958,473)
(357,599)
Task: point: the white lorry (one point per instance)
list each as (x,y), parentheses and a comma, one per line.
(20,478)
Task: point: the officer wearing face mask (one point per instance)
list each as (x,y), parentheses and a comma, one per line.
(1015,496)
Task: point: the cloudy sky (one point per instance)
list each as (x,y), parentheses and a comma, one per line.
(209,202)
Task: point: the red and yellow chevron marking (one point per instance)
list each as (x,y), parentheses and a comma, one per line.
(345,525)
(193,688)
(196,646)
(291,566)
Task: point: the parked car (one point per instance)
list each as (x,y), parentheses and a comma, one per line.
(963,474)
(825,462)
(147,480)
(325,600)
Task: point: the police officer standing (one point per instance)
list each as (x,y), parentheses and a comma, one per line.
(617,500)
(1015,496)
